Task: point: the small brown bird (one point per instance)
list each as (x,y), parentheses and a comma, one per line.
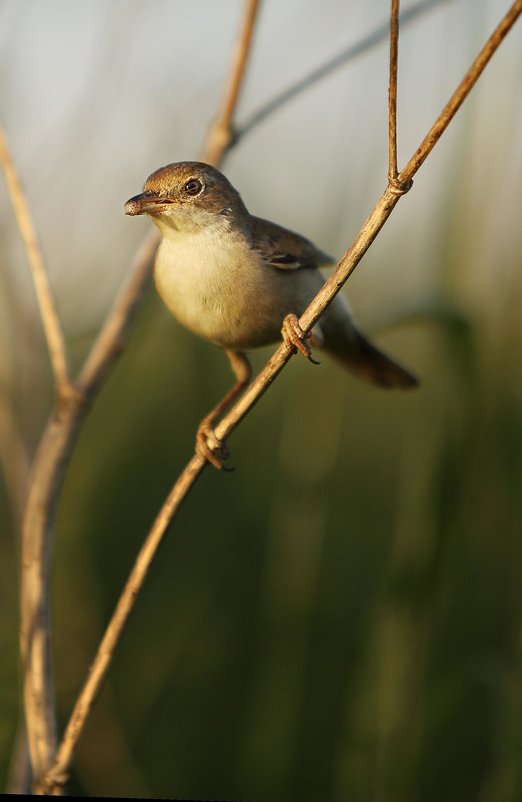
(242,282)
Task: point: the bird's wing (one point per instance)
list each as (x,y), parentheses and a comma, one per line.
(284,249)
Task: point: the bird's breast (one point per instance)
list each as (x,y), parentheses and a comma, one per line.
(219,288)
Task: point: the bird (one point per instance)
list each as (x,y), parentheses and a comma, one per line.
(242,282)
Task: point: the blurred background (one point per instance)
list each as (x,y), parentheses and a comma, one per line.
(341,617)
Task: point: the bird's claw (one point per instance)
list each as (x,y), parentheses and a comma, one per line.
(295,337)
(209,447)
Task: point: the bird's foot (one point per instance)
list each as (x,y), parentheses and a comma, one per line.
(210,448)
(295,337)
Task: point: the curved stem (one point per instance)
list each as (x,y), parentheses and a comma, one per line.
(50,320)
(221,135)
(392,91)
(38,687)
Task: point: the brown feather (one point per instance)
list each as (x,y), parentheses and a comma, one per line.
(284,249)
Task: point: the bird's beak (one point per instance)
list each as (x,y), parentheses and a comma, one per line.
(145,203)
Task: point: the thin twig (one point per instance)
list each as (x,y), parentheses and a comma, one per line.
(51,323)
(61,433)
(221,133)
(35,630)
(59,771)
(346,55)
(392,92)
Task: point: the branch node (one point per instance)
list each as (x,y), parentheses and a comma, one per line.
(397,186)
(51,782)
(70,396)
(221,137)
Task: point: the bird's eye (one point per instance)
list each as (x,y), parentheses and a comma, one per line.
(193,187)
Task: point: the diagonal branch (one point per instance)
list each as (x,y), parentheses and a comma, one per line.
(385,205)
(51,322)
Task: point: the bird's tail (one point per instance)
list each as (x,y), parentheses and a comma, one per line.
(368,362)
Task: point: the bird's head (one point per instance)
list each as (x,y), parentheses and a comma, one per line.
(187,196)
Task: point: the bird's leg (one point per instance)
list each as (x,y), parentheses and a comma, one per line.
(295,337)
(207,444)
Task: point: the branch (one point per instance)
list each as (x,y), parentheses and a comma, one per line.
(385,205)
(51,323)
(54,452)
(392,92)
(221,134)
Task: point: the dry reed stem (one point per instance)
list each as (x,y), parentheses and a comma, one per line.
(221,134)
(51,323)
(392,91)
(35,628)
(385,205)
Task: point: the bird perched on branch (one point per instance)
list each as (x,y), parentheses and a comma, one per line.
(242,282)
